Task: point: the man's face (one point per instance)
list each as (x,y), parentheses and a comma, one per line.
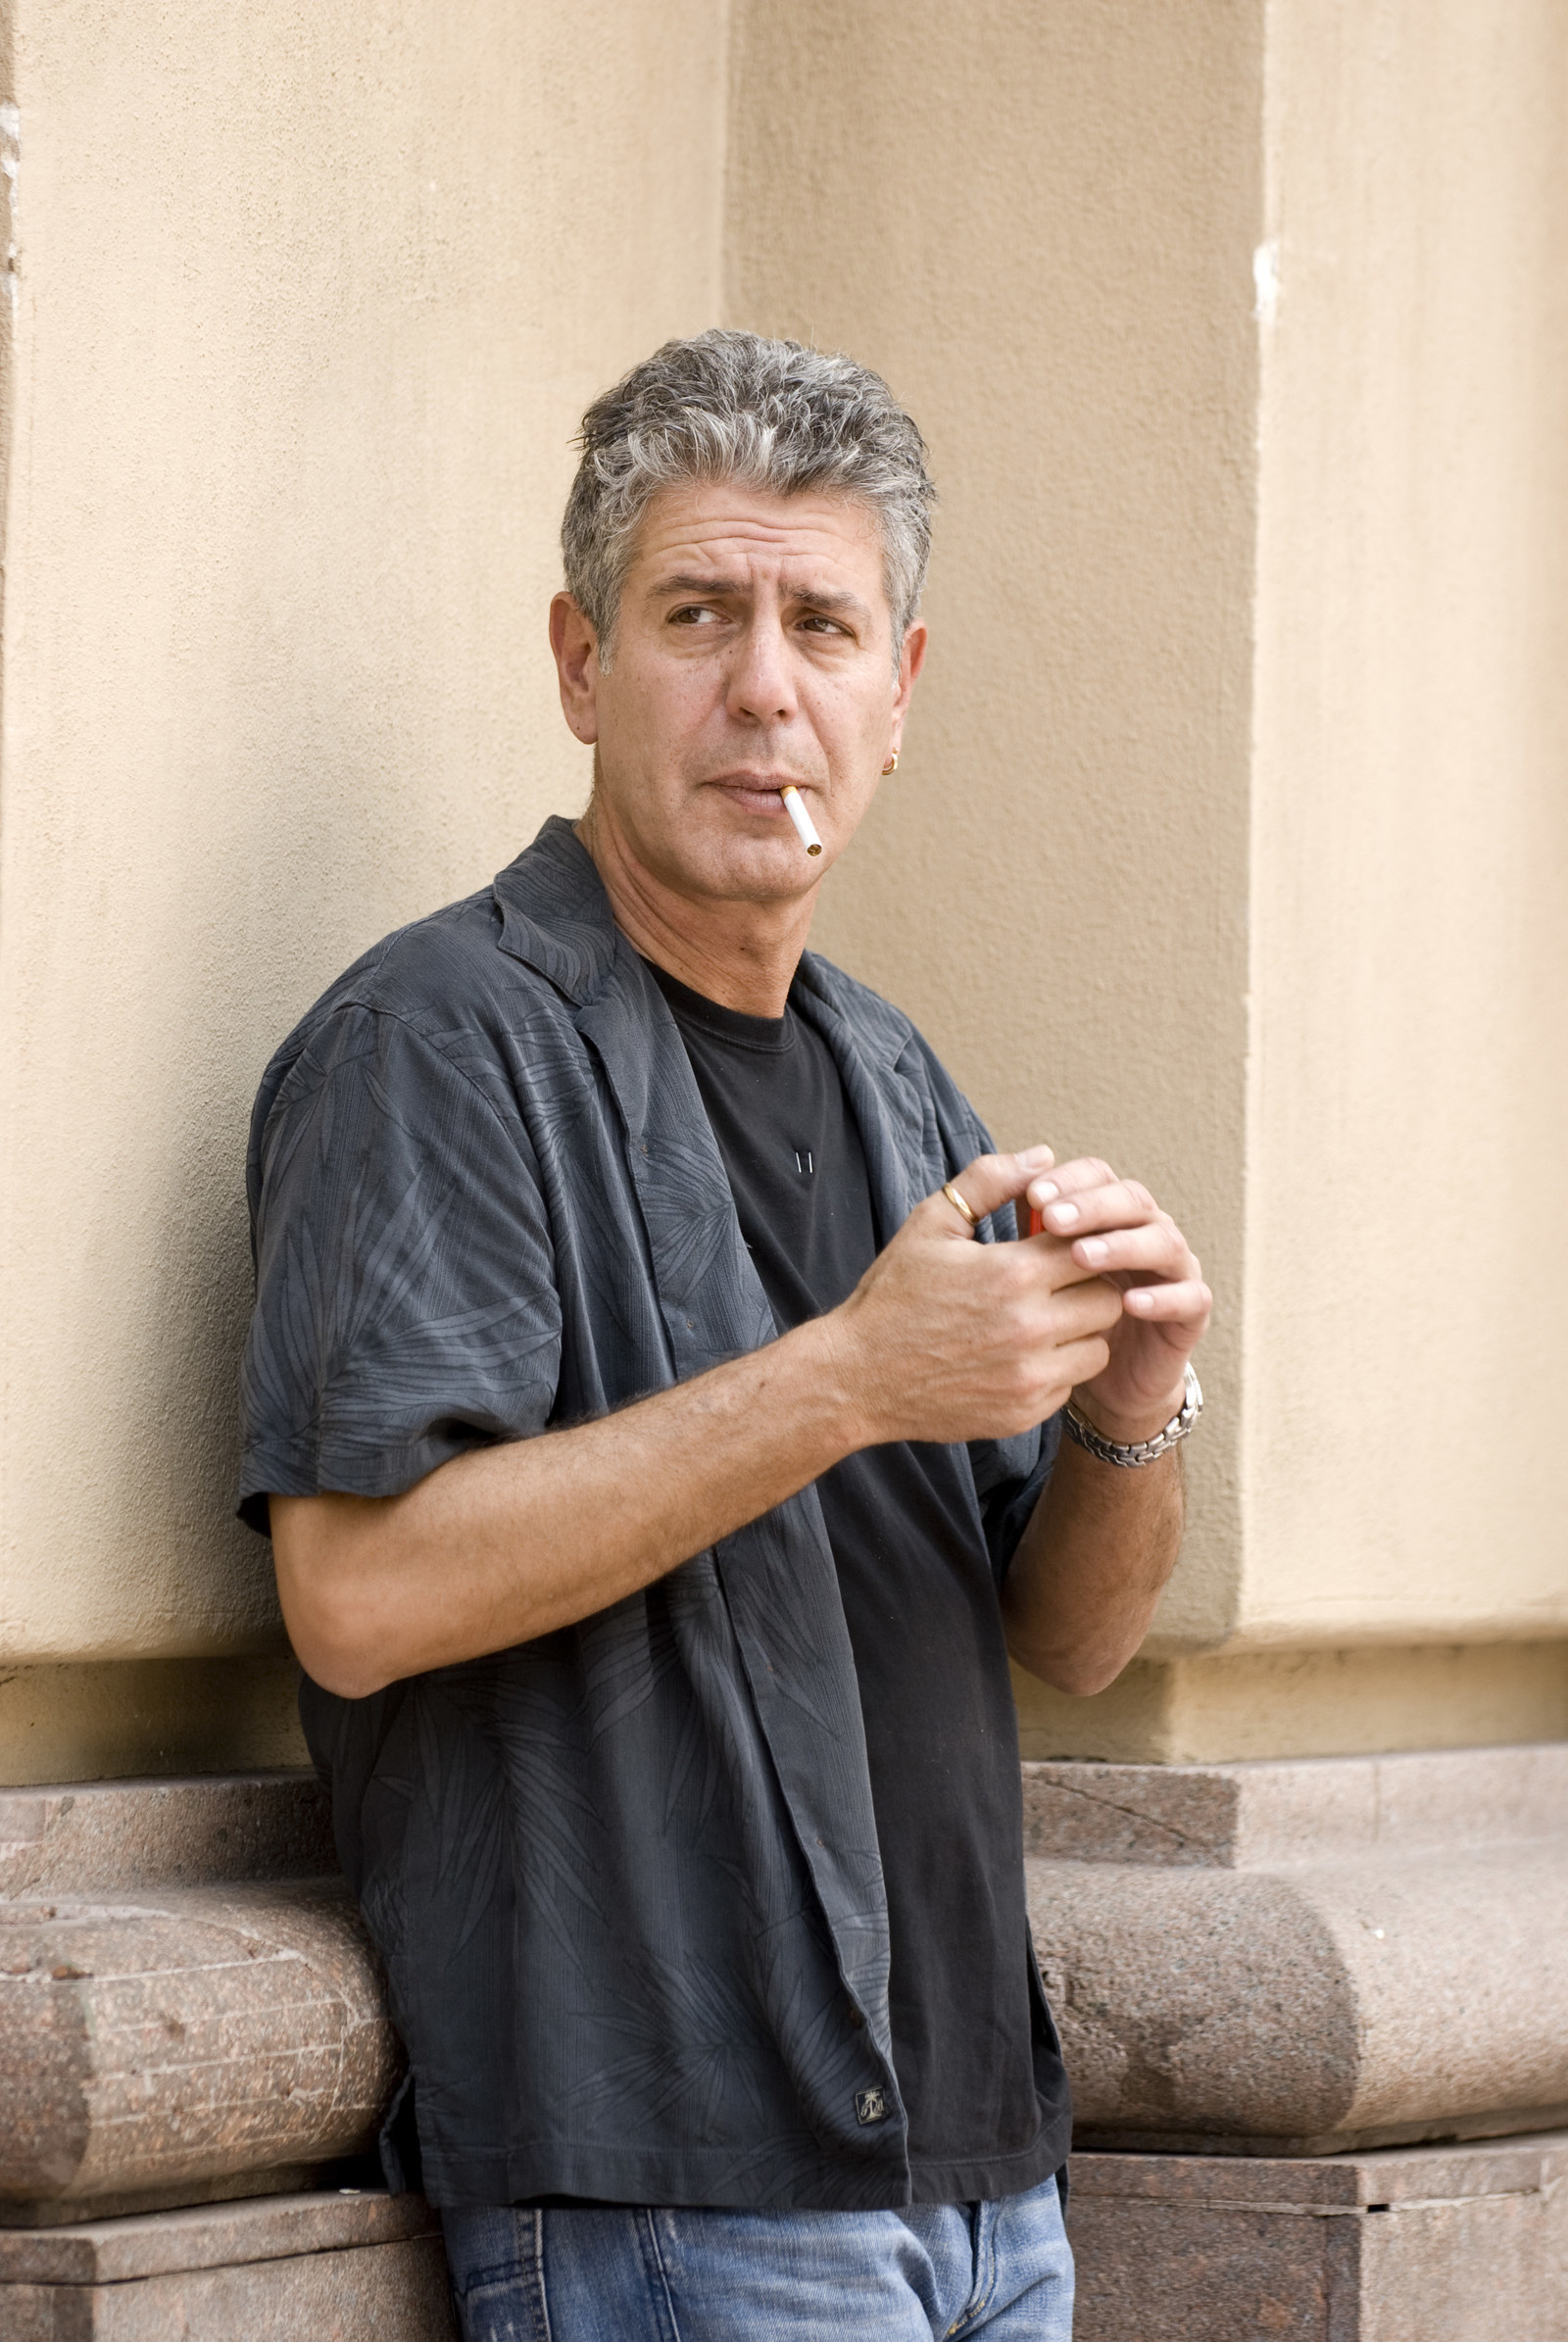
(754,646)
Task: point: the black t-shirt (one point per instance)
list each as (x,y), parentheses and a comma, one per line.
(921,1601)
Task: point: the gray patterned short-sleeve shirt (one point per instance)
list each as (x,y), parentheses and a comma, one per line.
(624,1879)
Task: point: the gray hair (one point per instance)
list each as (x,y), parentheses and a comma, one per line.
(770,415)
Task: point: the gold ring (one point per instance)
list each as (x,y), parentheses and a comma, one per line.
(959,1204)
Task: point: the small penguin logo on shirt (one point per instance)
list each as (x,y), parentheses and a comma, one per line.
(805,1164)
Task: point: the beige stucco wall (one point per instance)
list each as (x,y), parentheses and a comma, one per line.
(1408,1180)
(1231,843)
(310,298)
(1230,837)
(1038,222)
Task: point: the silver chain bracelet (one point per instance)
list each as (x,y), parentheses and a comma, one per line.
(1139,1451)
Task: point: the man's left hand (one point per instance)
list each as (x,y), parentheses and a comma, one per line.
(1115,1229)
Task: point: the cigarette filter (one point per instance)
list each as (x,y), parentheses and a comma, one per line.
(806,828)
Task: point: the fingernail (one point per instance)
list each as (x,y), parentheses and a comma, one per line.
(1138,1299)
(1064,1214)
(1042,1190)
(1092,1248)
(1038,1154)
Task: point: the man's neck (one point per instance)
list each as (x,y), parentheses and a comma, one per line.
(741,954)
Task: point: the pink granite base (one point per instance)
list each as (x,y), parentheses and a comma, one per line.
(336,2268)
(1314,1956)
(1433,2244)
(1415,2244)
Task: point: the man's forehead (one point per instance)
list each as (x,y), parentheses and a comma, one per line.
(717,525)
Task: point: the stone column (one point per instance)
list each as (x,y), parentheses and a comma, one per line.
(1232,844)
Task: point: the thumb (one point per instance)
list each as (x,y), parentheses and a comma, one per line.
(990,1182)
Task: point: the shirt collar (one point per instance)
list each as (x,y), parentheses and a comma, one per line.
(555,913)
(556,917)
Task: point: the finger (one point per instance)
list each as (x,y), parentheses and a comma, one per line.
(1067,1178)
(1078,1362)
(1186,1302)
(990,1182)
(1158,1248)
(1083,1309)
(1113,1203)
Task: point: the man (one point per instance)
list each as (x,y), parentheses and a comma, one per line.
(661,1436)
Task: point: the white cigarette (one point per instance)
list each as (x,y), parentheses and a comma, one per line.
(805,827)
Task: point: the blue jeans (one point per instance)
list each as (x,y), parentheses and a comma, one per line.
(1001,2270)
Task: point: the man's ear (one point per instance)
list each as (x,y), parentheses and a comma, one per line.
(575,647)
(911,659)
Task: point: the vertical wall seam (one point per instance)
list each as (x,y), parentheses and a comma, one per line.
(1268,288)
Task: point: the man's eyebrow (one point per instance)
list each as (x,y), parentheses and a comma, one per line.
(692,581)
(850,604)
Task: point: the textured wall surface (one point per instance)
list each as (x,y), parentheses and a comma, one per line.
(322,2265)
(309,301)
(1038,222)
(1405,1300)
(1231,837)
(185,2035)
(1400,2245)
(1232,841)
(1349,1988)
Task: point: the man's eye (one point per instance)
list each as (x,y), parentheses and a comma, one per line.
(821,625)
(692,614)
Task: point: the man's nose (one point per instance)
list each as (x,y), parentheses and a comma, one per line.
(762,682)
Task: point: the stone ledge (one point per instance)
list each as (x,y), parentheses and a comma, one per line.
(394,2292)
(1331,2184)
(106,2251)
(113,1837)
(191,2035)
(1286,1814)
(1469,2243)
(1466,2243)
(1300,1959)
(291,2269)
(224,2187)
(1216,1990)
(1306,2012)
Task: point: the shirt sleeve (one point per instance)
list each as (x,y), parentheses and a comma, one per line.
(1010,1478)
(406,1300)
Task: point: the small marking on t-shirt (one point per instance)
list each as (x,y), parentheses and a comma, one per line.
(804,1163)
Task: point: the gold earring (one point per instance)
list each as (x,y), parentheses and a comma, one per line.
(891,765)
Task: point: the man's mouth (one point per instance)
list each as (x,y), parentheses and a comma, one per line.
(756,793)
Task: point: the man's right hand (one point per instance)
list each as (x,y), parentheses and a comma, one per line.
(947,1340)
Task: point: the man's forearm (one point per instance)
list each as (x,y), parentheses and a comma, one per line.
(510,1542)
(942,1340)
(1091,1566)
